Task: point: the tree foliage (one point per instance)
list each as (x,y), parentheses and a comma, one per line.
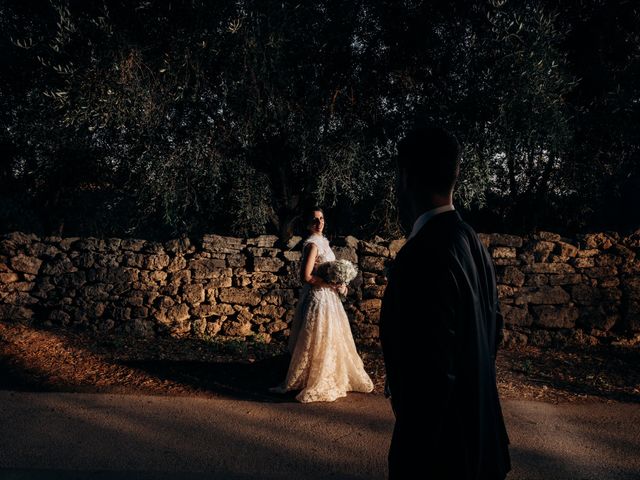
(167,117)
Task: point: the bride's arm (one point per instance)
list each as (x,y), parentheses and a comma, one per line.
(306,270)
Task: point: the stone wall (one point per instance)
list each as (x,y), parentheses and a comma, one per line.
(558,289)
(551,288)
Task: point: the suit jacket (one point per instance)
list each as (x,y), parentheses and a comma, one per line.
(440,327)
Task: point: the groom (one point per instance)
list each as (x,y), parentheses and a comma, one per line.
(440,327)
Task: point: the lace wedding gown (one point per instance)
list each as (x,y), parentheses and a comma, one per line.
(324,362)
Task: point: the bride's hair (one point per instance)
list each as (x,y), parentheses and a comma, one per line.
(309,213)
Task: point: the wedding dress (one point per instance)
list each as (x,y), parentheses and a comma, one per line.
(324,362)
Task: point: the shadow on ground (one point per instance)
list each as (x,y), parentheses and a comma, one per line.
(36,358)
(241,380)
(603,371)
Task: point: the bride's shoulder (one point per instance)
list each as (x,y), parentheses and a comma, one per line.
(311,240)
(314,238)
(319,241)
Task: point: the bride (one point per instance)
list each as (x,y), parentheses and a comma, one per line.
(324,362)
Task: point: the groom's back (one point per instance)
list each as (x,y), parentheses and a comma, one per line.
(472,441)
(477,325)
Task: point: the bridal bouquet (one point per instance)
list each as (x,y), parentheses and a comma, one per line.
(337,272)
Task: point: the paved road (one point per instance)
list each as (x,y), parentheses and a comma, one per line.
(76,436)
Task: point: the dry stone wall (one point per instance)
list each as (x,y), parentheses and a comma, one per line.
(551,288)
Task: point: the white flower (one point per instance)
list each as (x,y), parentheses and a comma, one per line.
(338,271)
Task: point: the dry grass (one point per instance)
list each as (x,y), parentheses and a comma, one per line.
(42,359)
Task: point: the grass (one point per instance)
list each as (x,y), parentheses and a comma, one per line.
(255,347)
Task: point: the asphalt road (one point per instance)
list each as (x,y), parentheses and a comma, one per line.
(76,436)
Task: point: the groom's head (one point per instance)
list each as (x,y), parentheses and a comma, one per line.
(429,161)
(428,166)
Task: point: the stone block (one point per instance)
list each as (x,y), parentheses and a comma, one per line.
(516,315)
(371,309)
(17,286)
(503,252)
(542,250)
(268,241)
(237,260)
(10,242)
(395,246)
(132,259)
(294,242)
(25,264)
(372,264)
(132,244)
(156,261)
(373,291)
(369,248)
(240,296)
(506,291)
(549,316)
(176,264)
(567,279)
(236,329)
(174,315)
(19,298)
(502,262)
(610,282)
(263,279)
(8,277)
(270,311)
(600,241)
(277,326)
(210,310)
(565,249)
(263,252)
(536,280)
(220,244)
(545,295)
(584,262)
(193,294)
(556,268)
(57,266)
(601,272)
(511,276)
(346,253)
(203,268)
(143,328)
(220,282)
(504,240)
(267,264)
(547,236)
(588,253)
(362,331)
(294,256)
(59,317)
(178,245)
(214,326)
(180,277)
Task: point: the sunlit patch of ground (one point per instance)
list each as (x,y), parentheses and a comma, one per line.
(45,359)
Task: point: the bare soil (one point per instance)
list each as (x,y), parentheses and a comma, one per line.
(48,359)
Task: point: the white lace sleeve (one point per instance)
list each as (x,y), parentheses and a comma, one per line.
(313,241)
(325,254)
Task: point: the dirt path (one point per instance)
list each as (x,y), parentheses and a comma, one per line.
(75,435)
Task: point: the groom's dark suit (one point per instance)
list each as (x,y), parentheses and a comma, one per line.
(439,327)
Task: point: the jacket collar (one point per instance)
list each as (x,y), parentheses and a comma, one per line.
(433,223)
